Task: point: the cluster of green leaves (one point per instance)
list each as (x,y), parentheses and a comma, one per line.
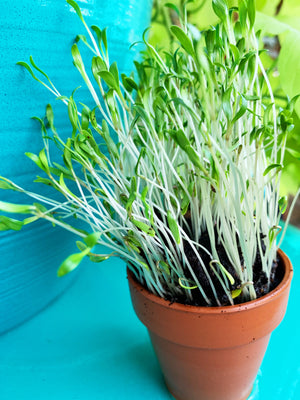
(186,145)
(279,23)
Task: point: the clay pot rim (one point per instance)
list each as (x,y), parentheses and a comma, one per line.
(278,291)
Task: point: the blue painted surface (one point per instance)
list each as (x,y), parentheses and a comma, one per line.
(86,347)
(46,30)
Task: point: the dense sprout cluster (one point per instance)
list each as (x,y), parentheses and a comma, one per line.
(186,151)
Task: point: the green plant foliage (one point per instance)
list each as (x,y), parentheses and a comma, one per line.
(191,143)
(274,19)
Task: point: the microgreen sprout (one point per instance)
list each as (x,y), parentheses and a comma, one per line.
(192,143)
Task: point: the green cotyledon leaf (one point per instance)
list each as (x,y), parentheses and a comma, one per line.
(184,40)
(143,227)
(72,262)
(173,225)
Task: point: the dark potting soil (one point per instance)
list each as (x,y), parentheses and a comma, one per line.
(260,279)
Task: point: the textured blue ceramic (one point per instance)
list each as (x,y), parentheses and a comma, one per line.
(46,30)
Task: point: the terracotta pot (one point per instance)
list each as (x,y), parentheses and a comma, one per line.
(211,353)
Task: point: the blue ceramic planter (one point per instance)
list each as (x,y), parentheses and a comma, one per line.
(46,30)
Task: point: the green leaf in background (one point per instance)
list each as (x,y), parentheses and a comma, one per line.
(184,40)
(173,7)
(243,13)
(294,153)
(288,27)
(289,66)
(290,179)
(220,8)
(290,8)
(268,7)
(251,12)
(260,4)
(270,25)
(271,167)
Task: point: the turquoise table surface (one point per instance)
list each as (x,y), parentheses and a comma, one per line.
(84,346)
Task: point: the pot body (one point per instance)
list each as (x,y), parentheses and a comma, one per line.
(46,29)
(211,353)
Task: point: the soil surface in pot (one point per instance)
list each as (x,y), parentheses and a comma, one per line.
(259,276)
(260,280)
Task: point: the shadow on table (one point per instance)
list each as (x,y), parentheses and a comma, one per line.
(134,360)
